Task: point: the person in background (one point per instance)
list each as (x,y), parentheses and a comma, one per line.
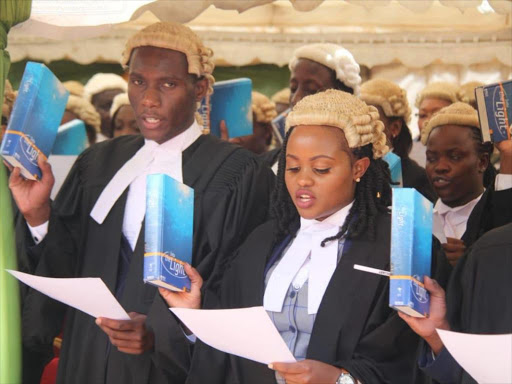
(282,100)
(477,302)
(7,105)
(430,100)
(74,87)
(95,225)
(472,200)
(100,91)
(122,117)
(331,210)
(466,92)
(391,102)
(79,108)
(317,67)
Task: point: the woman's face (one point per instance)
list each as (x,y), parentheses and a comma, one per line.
(320,171)
(124,122)
(309,77)
(454,167)
(428,107)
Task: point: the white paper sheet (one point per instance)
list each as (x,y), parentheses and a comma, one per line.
(487,358)
(245,332)
(88,294)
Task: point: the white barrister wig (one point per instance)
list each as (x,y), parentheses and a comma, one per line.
(335,57)
(103,82)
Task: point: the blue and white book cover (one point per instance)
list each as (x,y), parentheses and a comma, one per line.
(231,101)
(169,231)
(71,138)
(395,167)
(495,111)
(411,251)
(279,125)
(34,120)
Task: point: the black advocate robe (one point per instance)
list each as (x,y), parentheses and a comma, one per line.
(232,193)
(493,210)
(355,328)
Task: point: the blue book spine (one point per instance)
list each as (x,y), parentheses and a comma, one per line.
(168,232)
(71,139)
(411,251)
(395,168)
(279,125)
(231,101)
(495,111)
(34,121)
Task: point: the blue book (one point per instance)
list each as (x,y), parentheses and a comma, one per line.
(231,101)
(71,138)
(279,125)
(395,167)
(34,121)
(411,251)
(168,232)
(495,111)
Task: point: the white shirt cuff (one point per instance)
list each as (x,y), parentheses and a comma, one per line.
(502,182)
(38,233)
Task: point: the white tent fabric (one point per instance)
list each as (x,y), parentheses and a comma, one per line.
(377,32)
(412,42)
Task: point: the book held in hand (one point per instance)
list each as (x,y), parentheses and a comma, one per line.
(71,138)
(395,168)
(34,120)
(230,101)
(495,111)
(168,232)
(279,125)
(411,251)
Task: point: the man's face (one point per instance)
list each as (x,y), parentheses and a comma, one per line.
(162,92)
(309,77)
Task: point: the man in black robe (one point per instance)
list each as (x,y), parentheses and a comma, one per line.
(477,301)
(170,71)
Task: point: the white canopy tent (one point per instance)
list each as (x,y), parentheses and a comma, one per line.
(411,42)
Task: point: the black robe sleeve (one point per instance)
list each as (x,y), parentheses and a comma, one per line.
(55,256)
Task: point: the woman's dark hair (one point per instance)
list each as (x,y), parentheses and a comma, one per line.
(91,134)
(483,148)
(372,196)
(402,143)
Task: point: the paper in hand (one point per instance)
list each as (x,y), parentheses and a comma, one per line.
(487,360)
(88,294)
(244,332)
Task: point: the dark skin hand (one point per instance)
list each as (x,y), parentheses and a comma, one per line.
(129,336)
(426,327)
(307,372)
(33,197)
(454,249)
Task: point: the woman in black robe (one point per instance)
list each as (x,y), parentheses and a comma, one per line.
(330,176)
(391,102)
(472,199)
